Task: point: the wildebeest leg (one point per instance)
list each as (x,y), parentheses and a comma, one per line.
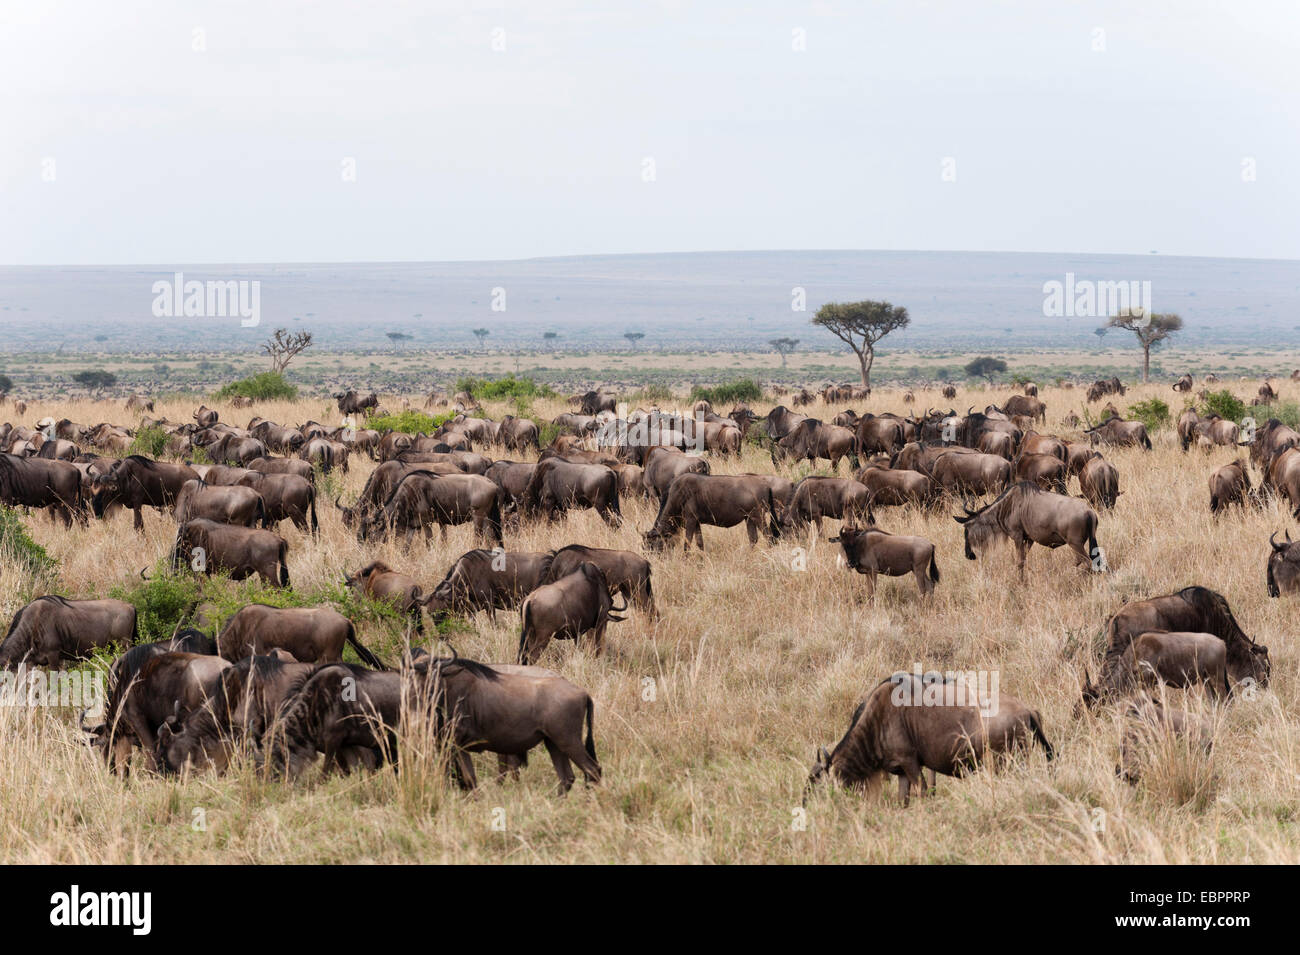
(751,528)
(912,775)
(1022,555)
(508,764)
(138,521)
(562,768)
(596,637)
(462,768)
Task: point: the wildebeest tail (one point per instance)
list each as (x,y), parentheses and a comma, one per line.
(368,658)
(494,519)
(934,568)
(284,563)
(261,518)
(311,504)
(1036,725)
(523,634)
(1146,442)
(590,744)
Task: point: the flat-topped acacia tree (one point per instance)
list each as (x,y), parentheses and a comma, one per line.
(1150,330)
(860,325)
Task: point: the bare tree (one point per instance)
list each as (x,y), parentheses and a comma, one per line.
(284,347)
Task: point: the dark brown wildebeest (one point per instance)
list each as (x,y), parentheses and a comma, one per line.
(1282,476)
(380,485)
(136,482)
(209,547)
(1100,389)
(488,580)
(949,391)
(518,434)
(848,418)
(1120,433)
(1000,443)
(1099,482)
(1266,394)
(1229,485)
(878,433)
(139,404)
(558,485)
(594,402)
(512,477)
(311,634)
(325,454)
(664,464)
(575,423)
(205,417)
(282,466)
(1219,430)
(1183,384)
(58,450)
(1283,572)
(508,710)
(625,572)
(1031,389)
(1186,428)
(1045,470)
(1152,726)
(392,444)
(350,402)
(813,439)
(720,500)
(421,500)
(1027,515)
(781,421)
(631,480)
(1071,420)
(577,605)
(339,710)
(1272,439)
(225,504)
(887,487)
(816,498)
(219,475)
(233,449)
(168,685)
(1181,659)
(1035,443)
(972,473)
(52,629)
(871,551)
(1026,405)
(1077,455)
(380,582)
(33,482)
(278,438)
(897,730)
(285,496)
(919,457)
(1192,610)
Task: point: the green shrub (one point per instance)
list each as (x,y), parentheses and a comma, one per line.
(1153,413)
(17,545)
(268,386)
(508,387)
(728,393)
(160,602)
(1225,404)
(547,432)
(151,442)
(1288,412)
(410,422)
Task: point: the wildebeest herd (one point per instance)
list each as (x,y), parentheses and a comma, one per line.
(271,683)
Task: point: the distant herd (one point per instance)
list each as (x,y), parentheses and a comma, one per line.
(272,682)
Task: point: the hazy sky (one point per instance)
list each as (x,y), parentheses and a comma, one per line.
(120,142)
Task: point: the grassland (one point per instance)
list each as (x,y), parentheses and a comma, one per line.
(706,721)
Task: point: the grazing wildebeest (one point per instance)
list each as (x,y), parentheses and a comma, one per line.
(578,604)
(1099,481)
(1151,724)
(558,485)
(888,487)
(1001,443)
(1181,659)
(594,402)
(209,547)
(720,500)
(282,466)
(871,551)
(879,433)
(1045,470)
(1229,485)
(52,629)
(380,582)
(233,449)
(34,482)
(813,439)
(137,482)
(816,498)
(338,710)
(225,504)
(664,464)
(896,731)
(488,580)
(1035,443)
(1027,515)
(1283,572)
(285,496)
(350,402)
(1192,610)
(949,391)
(508,710)
(1025,405)
(139,404)
(311,634)
(971,473)
(421,499)
(518,434)
(324,453)
(1120,433)
(625,572)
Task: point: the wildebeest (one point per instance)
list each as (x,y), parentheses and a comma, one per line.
(1100,389)
(1229,485)
(209,547)
(662,465)
(136,482)
(972,473)
(350,402)
(488,580)
(518,434)
(1193,610)
(898,730)
(1045,470)
(421,500)
(625,572)
(576,605)
(285,496)
(1114,431)
(720,500)
(558,485)
(34,482)
(871,551)
(1099,481)
(139,403)
(233,449)
(281,466)
(1183,384)
(1026,515)
(879,433)
(812,439)
(1282,475)
(205,417)
(1272,438)
(508,710)
(325,454)
(1283,572)
(594,402)
(949,391)
(887,487)
(337,710)
(52,629)
(225,504)
(815,498)
(311,634)
(1181,659)
(1025,405)
(380,582)
(1186,427)
(781,421)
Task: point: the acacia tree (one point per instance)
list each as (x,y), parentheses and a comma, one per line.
(1150,328)
(783,347)
(634,337)
(985,367)
(284,348)
(481,334)
(860,325)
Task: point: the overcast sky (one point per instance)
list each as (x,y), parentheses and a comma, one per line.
(606,126)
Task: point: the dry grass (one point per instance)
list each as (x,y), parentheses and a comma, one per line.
(754,664)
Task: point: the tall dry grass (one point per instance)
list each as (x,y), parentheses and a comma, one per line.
(707,720)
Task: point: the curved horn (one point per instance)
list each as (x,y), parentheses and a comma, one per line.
(1274,544)
(142,570)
